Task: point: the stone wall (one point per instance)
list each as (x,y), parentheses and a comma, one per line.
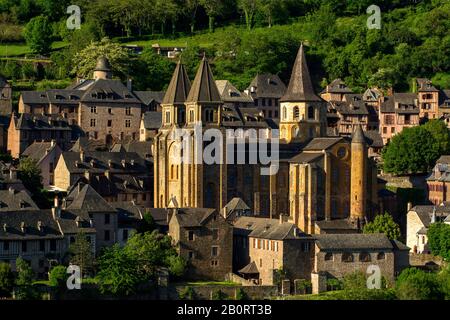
(206,292)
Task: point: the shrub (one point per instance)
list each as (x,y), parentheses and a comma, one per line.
(187,293)
(58,276)
(415,284)
(218,295)
(6,279)
(241,295)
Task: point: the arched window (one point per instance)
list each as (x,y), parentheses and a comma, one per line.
(311,112)
(182,118)
(172,172)
(381,256)
(329,256)
(347,257)
(284,113)
(364,257)
(296,113)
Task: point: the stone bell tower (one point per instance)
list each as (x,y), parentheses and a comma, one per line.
(358,184)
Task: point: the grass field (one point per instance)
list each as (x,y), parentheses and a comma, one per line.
(18,50)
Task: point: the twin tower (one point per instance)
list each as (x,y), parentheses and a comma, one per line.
(302,120)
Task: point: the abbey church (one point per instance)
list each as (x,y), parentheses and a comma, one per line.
(323,184)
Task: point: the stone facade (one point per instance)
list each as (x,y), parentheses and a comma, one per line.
(205,239)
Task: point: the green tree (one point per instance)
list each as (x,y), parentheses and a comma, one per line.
(213,8)
(354,281)
(58,278)
(24,281)
(6,279)
(439,239)
(81,251)
(38,35)
(441,135)
(119,273)
(86,60)
(249,8)
(414,150)
(147,224)
(415,284)
(30,174)
(384,223)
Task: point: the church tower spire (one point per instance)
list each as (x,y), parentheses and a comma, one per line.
(303,113)
(174,111)
(204,101)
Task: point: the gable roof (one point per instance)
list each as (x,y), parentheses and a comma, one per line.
(268,228)
(267,86)
(337,86)
(204,89)
(26,121)
(229,93)
(87,199)
(300,86)
(147,97)
(193,217)
(12,200)
(39,149)
(425,212)
(179,86)
(403,102)
(109,91)
(319,144)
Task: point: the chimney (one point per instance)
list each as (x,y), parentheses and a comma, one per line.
(22,227)
(78,222)
(110,163)
(409,206)
(52,143)
(64,203)
(11,190)
(5,227)
(76,163)
(129,84)
(12,174)
(39,225)
(124,163)
(82,156)
(87,175)
(91,223)
(92,163)
(132,162)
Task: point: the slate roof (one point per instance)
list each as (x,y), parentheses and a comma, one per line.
(59,96)
(179,86)
(400,103)
(229,93)
(267,86)
(235,117)
(90,145)
(147,97)
(444,99)
(30,219)
(425,85)
(204,89)
(425,212)
(236,204)
(192,217)
(356,241)
(128,213)
(68,222)
(373,139)
(337,86)
(87,199)
(11,200)
(352,105)
(251,268)
(371,94)
(142,148)
(101,162)
(319,144)
(268,228)
(109,91)
(300,87)
(27,121)
(38,150)
(399,245)
(159,216)
(34,97)
(152,120)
